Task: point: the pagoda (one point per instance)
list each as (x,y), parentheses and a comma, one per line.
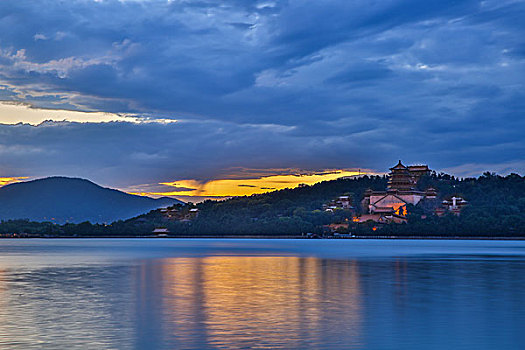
(401,191)
(400,178)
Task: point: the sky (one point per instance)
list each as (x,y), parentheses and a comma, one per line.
(210,98)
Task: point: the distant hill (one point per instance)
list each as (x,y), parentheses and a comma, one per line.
(496,208)
(62,199)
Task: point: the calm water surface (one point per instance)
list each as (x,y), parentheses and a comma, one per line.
(240,294)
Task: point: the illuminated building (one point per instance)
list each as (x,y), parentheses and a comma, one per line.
(390,205)
(453,205)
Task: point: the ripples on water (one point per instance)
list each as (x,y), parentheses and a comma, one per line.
(234,294)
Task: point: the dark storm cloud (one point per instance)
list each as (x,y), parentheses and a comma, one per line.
(125,154)
(276,84)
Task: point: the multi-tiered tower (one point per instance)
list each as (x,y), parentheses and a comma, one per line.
(401,190)
(400,178)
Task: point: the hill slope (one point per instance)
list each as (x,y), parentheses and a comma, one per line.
(496,208)
(62,199)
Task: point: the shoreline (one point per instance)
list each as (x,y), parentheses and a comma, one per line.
(499,238)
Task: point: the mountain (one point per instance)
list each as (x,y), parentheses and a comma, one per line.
(62,199)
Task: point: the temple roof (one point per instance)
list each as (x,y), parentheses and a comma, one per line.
(399,166)
(391,195)
(418,167)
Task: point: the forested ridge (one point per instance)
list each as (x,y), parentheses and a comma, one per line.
(496,208)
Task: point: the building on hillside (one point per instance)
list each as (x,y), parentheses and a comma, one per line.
(417,171)
(453,205)
(400,178)
(183,214)
(161,232)
(405,178)
(391,205)
(193,213)
(345,202)
(341,203)
(380,218)
(170,212)
(431,193)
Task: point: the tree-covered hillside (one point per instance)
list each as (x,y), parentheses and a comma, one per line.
(496,208)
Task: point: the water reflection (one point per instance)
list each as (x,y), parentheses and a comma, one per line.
(216,297)
(64,308)
(261,302)
(444,303)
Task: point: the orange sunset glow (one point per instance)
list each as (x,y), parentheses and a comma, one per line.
(246,187)
(8,180)
(240,303)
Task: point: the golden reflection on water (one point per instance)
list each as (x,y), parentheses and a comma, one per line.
(263,302)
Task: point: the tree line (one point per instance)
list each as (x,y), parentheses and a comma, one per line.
(496,208)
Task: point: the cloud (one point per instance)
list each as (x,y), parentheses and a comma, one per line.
(39,36)
(261,87)
(360,73)
(475,169)
(128,155)
(16,112)
(154,152)
(204,60)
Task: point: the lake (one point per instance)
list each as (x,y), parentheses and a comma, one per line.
(261,293)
